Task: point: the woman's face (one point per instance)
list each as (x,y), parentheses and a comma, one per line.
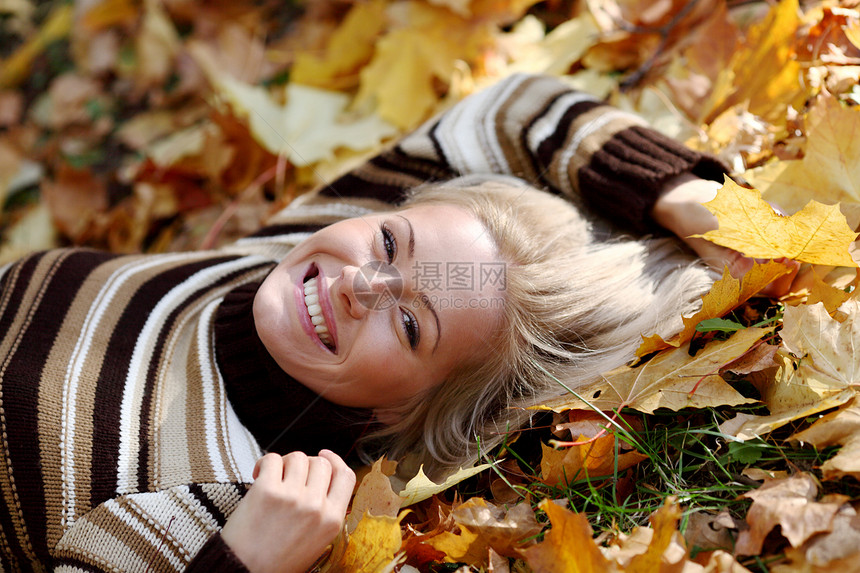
(371,311)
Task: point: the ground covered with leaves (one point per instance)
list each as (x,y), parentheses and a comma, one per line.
(159,125)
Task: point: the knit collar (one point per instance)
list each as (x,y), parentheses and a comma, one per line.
(281,413)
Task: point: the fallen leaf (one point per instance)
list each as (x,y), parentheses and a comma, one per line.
(309,128)
(763,71)
(74,198)
(665,524)
(789,396)
(672,379)
(829,350)
(348,49)
(707,531)
(55,27)
(725,295)
(835,550)
(568,547)
(828,171)
(421,487)
(157,44)
(789,503)
(484,527)
(374,496)
(841,427)
(559,467)
(373,545)
(816,234)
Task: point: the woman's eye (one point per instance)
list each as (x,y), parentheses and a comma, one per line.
(410,327)
(388,243)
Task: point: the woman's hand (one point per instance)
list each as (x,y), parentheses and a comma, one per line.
(680,209)
(294,509)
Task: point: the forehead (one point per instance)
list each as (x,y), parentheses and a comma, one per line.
(456,267)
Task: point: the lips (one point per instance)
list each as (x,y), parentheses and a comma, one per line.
(315,303)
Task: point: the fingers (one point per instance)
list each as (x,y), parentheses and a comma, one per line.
(319,477)
(342,479)
(269,468)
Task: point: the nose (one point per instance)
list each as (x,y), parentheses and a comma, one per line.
(345,291)
(364,289)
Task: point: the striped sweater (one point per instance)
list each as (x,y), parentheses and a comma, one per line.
(135,396)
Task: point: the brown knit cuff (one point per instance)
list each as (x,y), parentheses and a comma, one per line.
(626,176)
(216,557)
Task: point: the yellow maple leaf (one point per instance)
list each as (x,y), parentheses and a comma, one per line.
(673,380)
(665,523)
(568,547)
(816,234)
(373,545)
(725,295)
(829,170)
(484,526)
(349,48)
(763,71)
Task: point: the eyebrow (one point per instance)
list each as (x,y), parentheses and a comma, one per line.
(411,235)
(423,297)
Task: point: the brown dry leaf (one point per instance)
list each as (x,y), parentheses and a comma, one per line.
(836,550)
(829,349)
(568,547)
(725,295)
(840,427)
(74,198)
(672,379)
(789,503)
(816,234)
(707,531)
(759,357)
(374,496)
(789,396)
(763,71)
(157,44)
(373,545)
(828,172)
(483,527)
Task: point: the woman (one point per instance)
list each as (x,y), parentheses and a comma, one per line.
(138,391)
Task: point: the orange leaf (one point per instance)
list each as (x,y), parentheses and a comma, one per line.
(568,547)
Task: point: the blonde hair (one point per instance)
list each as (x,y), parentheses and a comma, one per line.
(576,304)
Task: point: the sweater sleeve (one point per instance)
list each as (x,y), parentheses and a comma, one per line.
(216,557)
(533,127)
(539,129)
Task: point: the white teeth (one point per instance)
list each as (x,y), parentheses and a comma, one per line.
(315,312)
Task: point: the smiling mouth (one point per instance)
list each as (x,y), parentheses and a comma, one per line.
(314,308)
